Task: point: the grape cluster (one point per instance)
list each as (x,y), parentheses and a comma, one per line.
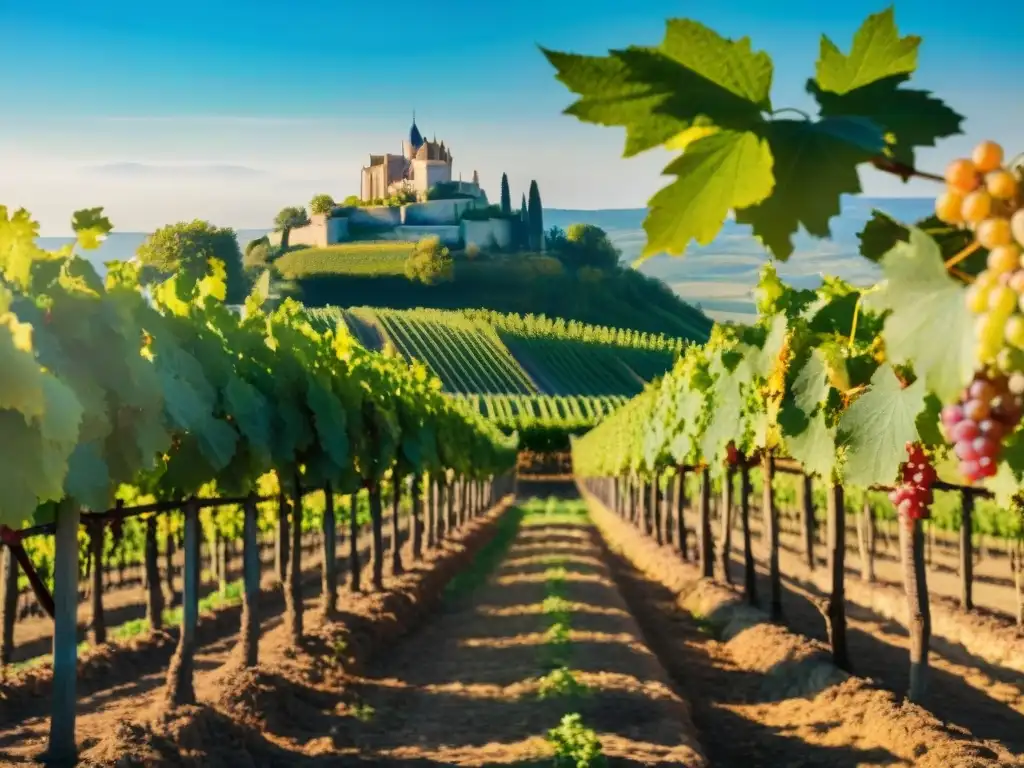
(913,496)
(986,197)
(989,410)
(732,456)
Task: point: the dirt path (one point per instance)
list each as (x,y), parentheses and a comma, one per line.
(137,685)
(465,690)
(765,696)
(986,699)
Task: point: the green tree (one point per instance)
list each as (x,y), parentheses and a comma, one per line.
(288,219)
(535,219)
(584,245)
(188,246)
(522,239)
(257,258)
(506,197)
(321,204)
(430,262)
(258,241)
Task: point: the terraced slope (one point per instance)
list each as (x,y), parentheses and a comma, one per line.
(489,353)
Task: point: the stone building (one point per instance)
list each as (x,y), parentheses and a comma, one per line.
(422,165)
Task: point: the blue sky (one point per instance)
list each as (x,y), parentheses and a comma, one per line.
(229,110)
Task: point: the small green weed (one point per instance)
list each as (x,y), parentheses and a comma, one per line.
(575,745)
(561,682)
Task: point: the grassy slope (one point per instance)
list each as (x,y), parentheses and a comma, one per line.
(521,284)
(471,357)
(371,258)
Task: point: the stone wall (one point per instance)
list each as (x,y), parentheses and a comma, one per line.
(449,234)
(436,212)
(488,234)
(377,216)
(319,232)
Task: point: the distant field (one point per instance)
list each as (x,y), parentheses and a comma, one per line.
(476,353)
(379,257)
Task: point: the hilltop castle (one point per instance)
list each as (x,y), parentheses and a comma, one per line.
(422,165)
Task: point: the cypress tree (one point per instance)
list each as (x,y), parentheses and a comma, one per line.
(506,196)
(535,221)
(522,238)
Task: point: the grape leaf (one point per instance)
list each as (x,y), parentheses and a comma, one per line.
(717,173)
(91,226)
(881,233)
(696,77)
(726,408)
(814,446)
(609,97)
(930,325)
(874,430)
(730,63)
(88,480)
(910,117)
(811,387)
(877,52)
(814,164)
(1010,476)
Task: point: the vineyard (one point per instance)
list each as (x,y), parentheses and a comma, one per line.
(481,352)
(286,535)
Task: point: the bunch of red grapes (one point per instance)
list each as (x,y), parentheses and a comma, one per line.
(913,496)
(732,456)
(989,410)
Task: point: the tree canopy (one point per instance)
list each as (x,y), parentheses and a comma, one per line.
(188,247)
(321,204)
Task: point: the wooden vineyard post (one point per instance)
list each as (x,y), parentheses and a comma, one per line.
(707,545)
(835,610)
(807,518)
(771,519)
(727,523)
(281,538)
(8,602)
(966,547)
(172,593)
(681,535)
(416,495)
(655,513)
(154,595)
(919,619)
(96,541)
(1017,565)
(354,566)
(442,496)
(62,748)
(749,570)
(431,521)
(250,630)
(449,526)
(866,542)
(329,596)
(377,524)
(293,591)
(641,502)
(461,515)
(179,689)
(396,535)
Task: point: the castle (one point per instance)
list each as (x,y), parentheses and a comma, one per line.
(422,165)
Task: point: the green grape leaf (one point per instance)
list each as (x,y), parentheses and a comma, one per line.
(732,64)
(610,97)
(812,384)
(815,164)
(814,446)
(32,469)
(91,226)
(21,388)
(251,414)
(881,233)
(764,359)
(726,409)
(717,173)
(330,420)
(88,480)
(930,325)
(874,430)
(877,52)
(910,118)
(260,292)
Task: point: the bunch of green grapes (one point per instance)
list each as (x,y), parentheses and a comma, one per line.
(985,196)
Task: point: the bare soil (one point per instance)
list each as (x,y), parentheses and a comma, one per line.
(121,715)
(765,696)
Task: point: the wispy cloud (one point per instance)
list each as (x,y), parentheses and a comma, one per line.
(131,170)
